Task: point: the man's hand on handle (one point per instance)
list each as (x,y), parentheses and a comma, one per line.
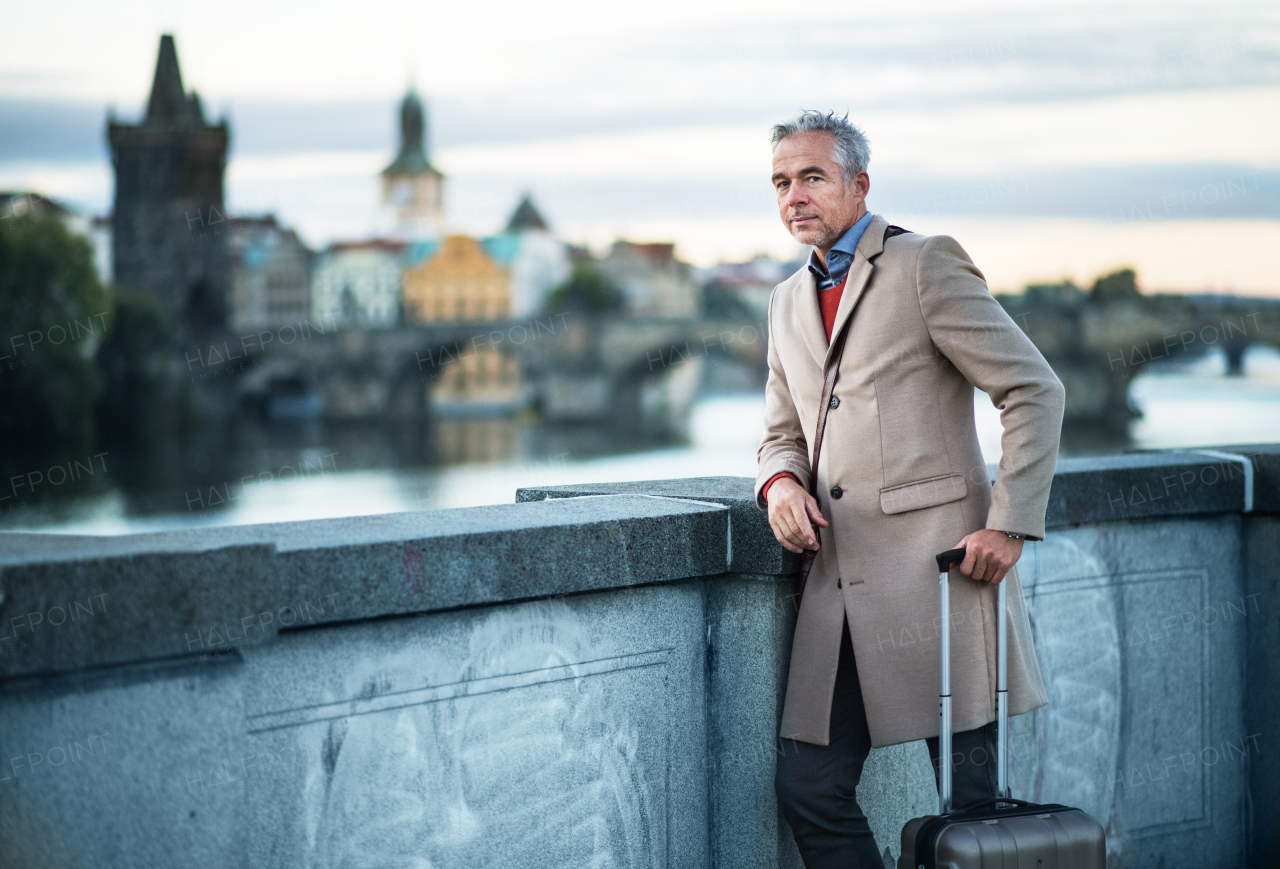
(793,513)
(989,555)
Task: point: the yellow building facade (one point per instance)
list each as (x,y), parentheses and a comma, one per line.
(461,282)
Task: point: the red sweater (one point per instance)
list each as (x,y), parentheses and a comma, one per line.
(829,303)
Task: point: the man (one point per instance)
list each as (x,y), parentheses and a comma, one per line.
(900,479)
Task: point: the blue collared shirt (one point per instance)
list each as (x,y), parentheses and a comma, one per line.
(840,257)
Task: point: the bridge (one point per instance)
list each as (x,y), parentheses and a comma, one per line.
(608,368)
(593,676)
(1099,343)
(580,369)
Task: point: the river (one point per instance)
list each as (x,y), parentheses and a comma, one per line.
(277,475)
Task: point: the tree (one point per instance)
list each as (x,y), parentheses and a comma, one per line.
(587,291)
(52,313)
(1121,286)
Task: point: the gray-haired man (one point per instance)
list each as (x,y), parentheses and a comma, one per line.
(900,479)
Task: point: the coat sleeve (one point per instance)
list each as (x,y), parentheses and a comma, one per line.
(783,448)
(971,330)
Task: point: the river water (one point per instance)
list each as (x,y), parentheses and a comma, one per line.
(286,475)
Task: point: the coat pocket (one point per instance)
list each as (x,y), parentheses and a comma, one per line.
(917,495)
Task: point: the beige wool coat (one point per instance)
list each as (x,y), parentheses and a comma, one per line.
(902,447)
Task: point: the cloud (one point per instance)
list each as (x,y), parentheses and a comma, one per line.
(655,124)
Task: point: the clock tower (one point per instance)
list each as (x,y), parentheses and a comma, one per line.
(411,186)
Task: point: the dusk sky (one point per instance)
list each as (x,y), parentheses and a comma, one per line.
(1053,140)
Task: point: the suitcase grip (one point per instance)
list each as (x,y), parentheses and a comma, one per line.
(949,559)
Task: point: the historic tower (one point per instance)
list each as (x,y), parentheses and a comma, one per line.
(169,224)
(411,185)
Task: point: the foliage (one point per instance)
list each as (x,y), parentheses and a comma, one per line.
(1063,295)
(52,313)
(85,372)
(1121,286)
(587,291)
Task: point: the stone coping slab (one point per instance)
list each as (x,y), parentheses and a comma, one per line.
(1085,490)
(1149,485)
(87,602)
(754,548)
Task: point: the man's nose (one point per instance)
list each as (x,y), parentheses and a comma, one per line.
(795,196)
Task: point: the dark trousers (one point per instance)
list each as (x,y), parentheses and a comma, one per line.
(817,784)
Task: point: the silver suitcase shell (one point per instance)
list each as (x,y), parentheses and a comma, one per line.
(1030,837)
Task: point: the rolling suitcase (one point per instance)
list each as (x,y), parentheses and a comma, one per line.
(1000,832)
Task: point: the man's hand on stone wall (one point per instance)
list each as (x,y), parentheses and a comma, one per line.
(793,513)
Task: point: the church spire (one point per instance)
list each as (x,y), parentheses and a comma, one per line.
(169,104)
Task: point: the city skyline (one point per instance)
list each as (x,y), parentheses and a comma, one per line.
(1053,143)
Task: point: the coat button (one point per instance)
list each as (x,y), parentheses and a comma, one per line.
(836,492)
(834,402)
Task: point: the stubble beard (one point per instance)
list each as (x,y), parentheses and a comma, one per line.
(820,236)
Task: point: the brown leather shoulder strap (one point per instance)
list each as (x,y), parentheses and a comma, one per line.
(829,381)
(828,389)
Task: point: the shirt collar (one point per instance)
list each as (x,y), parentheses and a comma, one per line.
(840,257)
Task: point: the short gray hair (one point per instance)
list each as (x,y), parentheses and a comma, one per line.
(853,152)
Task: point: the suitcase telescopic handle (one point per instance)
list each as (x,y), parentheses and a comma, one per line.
(950,558)
(947,560)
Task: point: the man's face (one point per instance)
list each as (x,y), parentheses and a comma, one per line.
(815,204)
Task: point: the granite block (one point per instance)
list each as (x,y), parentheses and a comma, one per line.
(1266,463)
(207,591)
(1261,552)
(755,550)
(88,610)
(537,735)
(1139,630)
(750,621)
(1143,485)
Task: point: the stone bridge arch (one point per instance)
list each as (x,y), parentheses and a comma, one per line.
(1099,346)
(449,352)
(644,365)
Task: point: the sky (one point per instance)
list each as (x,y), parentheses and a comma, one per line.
(1054,140)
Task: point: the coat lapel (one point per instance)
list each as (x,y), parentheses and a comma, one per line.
(869,247)
(809,317)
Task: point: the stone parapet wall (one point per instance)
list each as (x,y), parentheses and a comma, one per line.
(593,676)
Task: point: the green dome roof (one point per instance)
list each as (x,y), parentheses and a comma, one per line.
(412,159)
